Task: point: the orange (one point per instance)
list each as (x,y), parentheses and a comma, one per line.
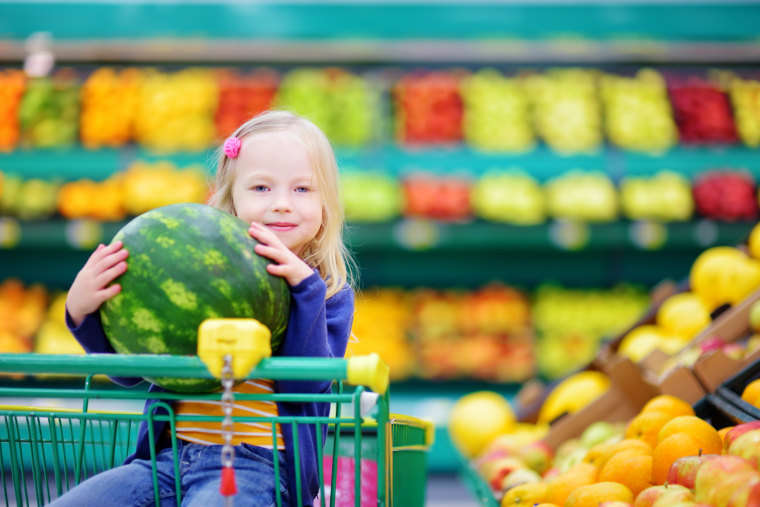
(646,425)
(594,494)
(670,449)
(580,474)
(629,444)
(751,393)
(698,429)
(669,404)
(722,432)
(629,468)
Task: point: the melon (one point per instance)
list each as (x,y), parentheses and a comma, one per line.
(187,263)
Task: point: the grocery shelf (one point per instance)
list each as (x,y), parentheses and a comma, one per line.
(395,160)
(413,252)
(513,31)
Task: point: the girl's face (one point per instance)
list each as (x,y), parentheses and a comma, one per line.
(274,185)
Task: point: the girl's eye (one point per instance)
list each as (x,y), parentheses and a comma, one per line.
(259,188)
(302,189)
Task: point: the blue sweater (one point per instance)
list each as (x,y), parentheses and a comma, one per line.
(316,328)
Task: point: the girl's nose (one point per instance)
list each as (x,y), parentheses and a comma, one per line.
(281,205)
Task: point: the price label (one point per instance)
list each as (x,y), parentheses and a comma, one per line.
(567,235)
(417,234)
(10,233)
(83,234)
(706,233)
(648,235)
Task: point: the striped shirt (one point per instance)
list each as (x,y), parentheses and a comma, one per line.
(254,433)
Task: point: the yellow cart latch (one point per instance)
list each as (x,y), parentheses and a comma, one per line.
(247,341)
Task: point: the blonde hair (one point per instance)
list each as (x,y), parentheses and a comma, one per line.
(326,252)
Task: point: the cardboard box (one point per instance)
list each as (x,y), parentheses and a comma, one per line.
(624,399)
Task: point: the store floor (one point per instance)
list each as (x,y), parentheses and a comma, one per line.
(444,490)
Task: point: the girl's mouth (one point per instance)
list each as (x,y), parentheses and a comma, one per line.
(281,226)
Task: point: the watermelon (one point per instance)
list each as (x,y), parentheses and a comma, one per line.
(188,263)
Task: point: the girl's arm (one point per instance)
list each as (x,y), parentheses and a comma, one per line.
(316,328)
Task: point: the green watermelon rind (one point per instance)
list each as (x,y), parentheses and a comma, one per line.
(187,263)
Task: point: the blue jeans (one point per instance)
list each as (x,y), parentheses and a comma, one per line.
(200,476)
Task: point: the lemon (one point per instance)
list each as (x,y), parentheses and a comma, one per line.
(572,394)
(714,273)
(639,342)
(684,314)
(753,243)
(477,418)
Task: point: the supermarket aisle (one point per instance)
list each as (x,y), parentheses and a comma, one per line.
(448,491)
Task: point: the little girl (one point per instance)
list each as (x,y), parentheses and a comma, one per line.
(278,173)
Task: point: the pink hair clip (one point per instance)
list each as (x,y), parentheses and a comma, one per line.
(232,147)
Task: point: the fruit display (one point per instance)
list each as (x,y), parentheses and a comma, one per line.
(53,337)
(510,196)
(165,294)
(146,186)
(48,113)
(570,323)
(12,86)
(566,108)
(665,196)
(585,196)
(667,454)
(745,99)
(637,112)
(485,334)
(28,199)
(22,309)
(242,96)
(109,103)
(702,111)
(496,112)
(344,105)
(370,196)
(445,198)
(175,111)
(726,195)
(428,108)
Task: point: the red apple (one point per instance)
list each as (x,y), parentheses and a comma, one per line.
(737,485)
(649,496)
(746,495)
(712,475)
(711,343)
(736,432)
(747,446)
(499,469)
(683,471)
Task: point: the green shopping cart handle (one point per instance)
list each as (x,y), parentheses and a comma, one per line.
(154,365)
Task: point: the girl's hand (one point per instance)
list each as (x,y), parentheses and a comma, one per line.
(286,264)
(90,288)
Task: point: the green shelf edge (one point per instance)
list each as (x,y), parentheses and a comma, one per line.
(398,161)
(730,20)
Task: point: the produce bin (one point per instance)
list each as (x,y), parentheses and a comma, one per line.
(731,389)
(45,451)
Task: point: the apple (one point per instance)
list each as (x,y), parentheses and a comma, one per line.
(537,456)
(499,469)
(738,485)
(649,496)
(747,446)
(712,474)
(615,503)
(746,495)
(600,431)
(674,496)
(517,477)
(683,471)
(736,432)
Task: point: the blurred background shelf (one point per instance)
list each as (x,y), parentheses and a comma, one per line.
(414,252)
(504,32)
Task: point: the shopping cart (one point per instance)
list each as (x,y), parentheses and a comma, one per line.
(47,450)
